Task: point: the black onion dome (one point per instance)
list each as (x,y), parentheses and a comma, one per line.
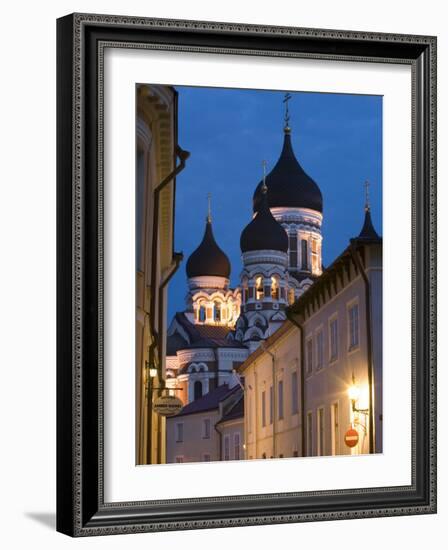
(264,232)
(368,231)
(208,258)
(288,184)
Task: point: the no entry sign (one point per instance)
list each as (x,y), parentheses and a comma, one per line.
(351,437)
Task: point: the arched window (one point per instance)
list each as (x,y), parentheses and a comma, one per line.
(259,289)
(217,312)
(274,288)
(202,313)
(291,296)
(197,389)
(304,246)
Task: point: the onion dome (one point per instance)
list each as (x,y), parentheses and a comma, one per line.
(208,259)
(288,184)
(264,232)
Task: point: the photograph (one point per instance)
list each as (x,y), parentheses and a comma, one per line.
(259,274)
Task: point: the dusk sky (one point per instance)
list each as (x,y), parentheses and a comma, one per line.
(336,138)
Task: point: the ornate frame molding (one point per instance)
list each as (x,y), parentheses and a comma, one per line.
(81,42)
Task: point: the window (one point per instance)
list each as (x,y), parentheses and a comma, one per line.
(274,288)
(179,459)
(320,349)
(271,404)
(280,400)
(202,313)
(309,356)
(333,339)
(206,457)
(294,393)
(314,256)
(259,289)
(320,432)
(309,434)
(217,312)
(179,432)
(197,389)
(304,247)
(291,296)
(263,408)
(293,250)
(353,326)
(236,446)
(206,428)
(226,447)
(335,449)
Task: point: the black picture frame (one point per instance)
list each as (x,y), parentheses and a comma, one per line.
(81,510)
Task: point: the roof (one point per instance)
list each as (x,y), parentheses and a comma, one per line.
(207,402)
(368,232)
(174,343)
(288,184)
(208,259)
(215,343)
(286,327)
(264,232)
(235,411)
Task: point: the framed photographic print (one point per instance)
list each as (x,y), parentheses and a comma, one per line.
(246,274)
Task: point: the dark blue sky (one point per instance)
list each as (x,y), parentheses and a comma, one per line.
(337,139)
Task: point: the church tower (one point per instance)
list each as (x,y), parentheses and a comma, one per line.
(264,279)
(210,301)
(295,201)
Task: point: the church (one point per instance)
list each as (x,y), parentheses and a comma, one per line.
(212,344)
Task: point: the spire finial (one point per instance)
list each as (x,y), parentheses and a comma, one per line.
(286,128)
(209,208)
(264,187)
(367,196)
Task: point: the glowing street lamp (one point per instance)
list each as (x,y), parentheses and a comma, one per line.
(354,393)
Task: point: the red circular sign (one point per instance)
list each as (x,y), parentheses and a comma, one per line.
(351,437)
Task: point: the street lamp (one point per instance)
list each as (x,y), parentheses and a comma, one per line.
(354,393)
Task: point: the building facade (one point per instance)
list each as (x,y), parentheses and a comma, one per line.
(157,156)
(321,373)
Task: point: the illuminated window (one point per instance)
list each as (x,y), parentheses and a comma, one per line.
(291,296)
(314,255)
(217,312)
(274,288)
(259,289)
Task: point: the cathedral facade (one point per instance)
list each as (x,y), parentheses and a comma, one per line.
(281,256)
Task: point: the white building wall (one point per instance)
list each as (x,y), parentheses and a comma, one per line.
(281,436)
(194,445)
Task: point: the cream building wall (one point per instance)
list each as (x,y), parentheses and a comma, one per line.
(156,154)
(273,429)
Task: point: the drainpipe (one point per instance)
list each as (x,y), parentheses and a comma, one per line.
(274,400)
(356,258)
(302,378)
(183,156)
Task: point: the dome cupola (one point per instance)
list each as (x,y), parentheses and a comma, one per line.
(208,259)
(263,232)
(288,184)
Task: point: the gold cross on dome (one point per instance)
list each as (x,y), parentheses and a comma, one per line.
(367,195)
